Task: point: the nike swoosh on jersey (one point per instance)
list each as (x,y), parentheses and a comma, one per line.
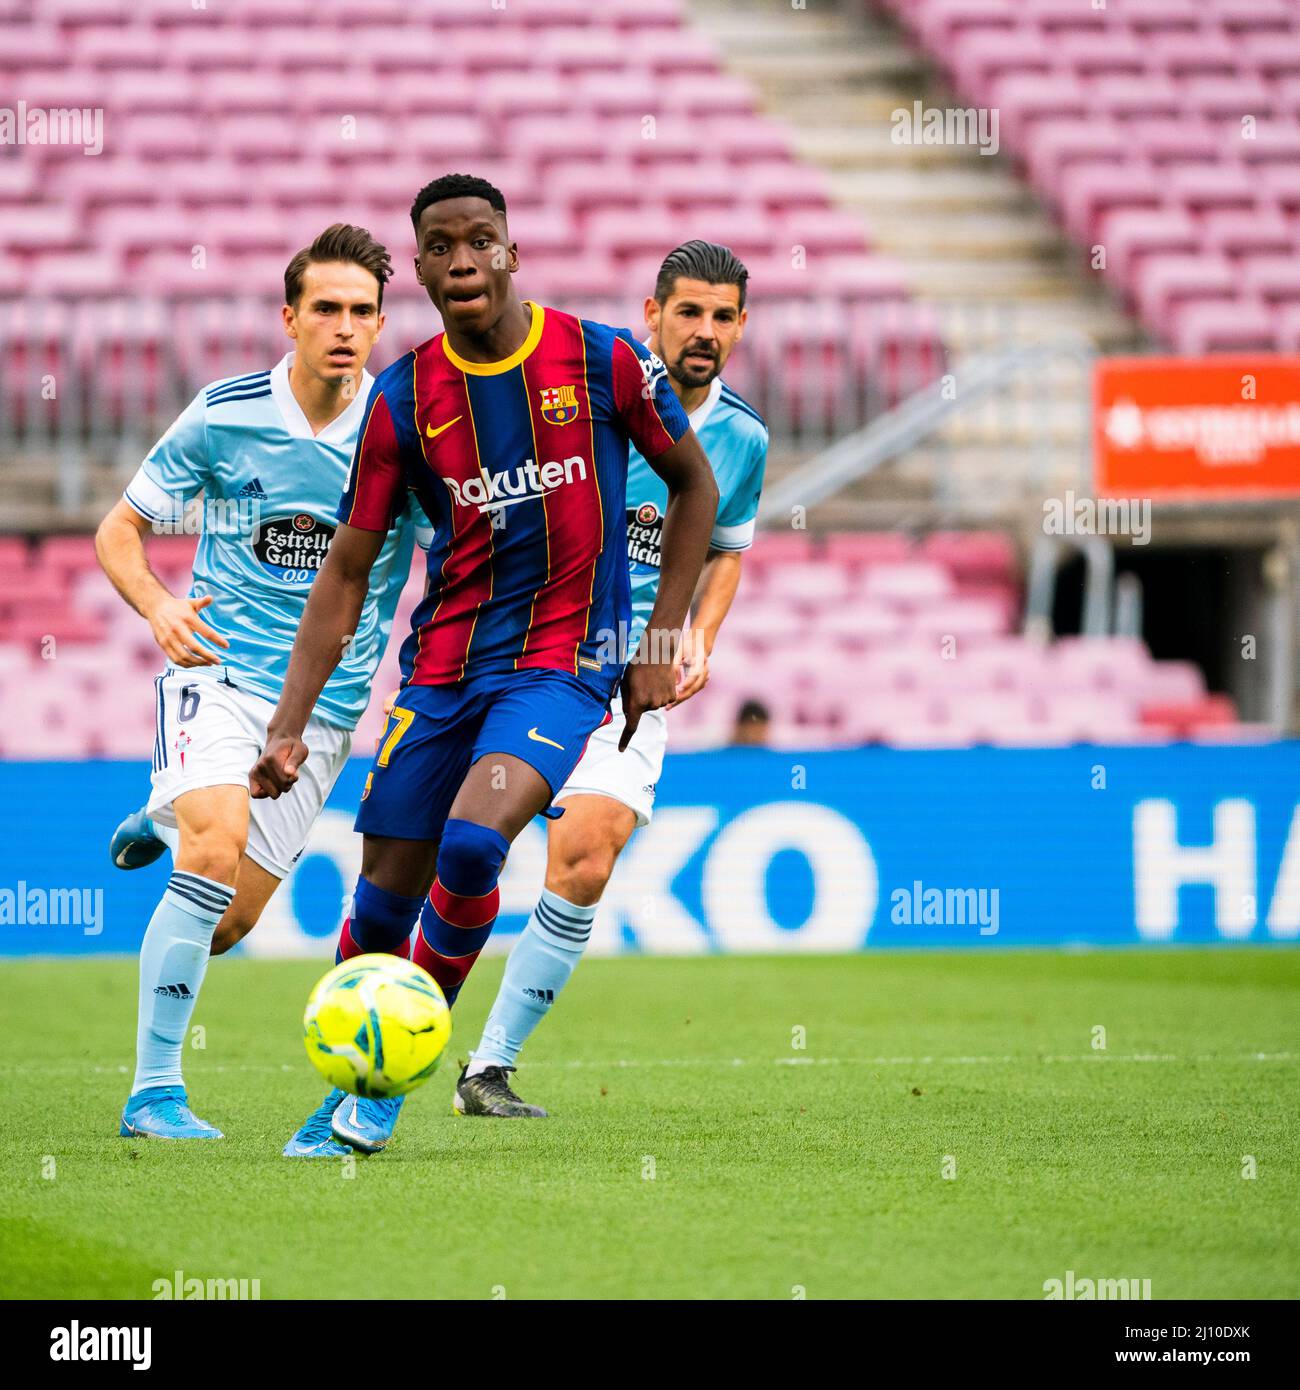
(541,738)
(434,433)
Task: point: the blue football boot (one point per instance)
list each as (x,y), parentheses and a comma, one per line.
(313,1139)
(163,1112)
(366,1124)
(134,843)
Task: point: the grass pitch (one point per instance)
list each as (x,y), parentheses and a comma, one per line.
(694,1151)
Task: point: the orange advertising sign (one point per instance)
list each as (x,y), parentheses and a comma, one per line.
(1212,427)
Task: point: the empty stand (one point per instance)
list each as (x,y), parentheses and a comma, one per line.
(860,638)
(1167,134)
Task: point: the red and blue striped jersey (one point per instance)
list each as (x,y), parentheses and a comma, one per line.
(521,467)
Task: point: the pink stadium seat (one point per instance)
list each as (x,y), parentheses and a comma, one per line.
(1092,716)
(1060,144)
(747,138)
(766,627)
(1149,96)
(1274,55)
(854,628)
(1273,279)
(941,20)
(1130,235)
(1211,186)
(1171,682)
(17,180)
(749,230)
(1093,190)
(906,582)
(573,282)
(73,273)
(39,228)
(783,184)
(971,554)
(772,547)
(1259,232)
(1241,325)
(1166,282)
(858,549)
(961,617)
(1026,98)
(676,52)
(13,278)
(31,48)
(1185,53)
(824,231)
(979,57)
(725,94)
(1230,97)
(812,581)
(1096,662)
(630,233)
(1152,17)
(1058,17)
(620,93)
(1276,141)
(1255,15)
(1174,139)
(68,554)
(1287,319)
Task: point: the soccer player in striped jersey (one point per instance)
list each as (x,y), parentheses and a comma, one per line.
(512,428)
(269,451)
(696,317)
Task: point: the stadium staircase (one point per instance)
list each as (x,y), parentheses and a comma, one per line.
(974,242)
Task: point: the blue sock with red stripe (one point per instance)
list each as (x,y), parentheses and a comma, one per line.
(462,906)
(380,921)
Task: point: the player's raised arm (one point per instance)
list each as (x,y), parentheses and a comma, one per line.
(650,680)
(369,508)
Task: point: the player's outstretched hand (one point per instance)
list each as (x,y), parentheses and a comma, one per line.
(646,685)
(277,769)
(692,668)
(177,627)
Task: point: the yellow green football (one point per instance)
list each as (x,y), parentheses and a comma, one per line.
(376,1025)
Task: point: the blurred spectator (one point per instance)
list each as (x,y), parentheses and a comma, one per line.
(751,728)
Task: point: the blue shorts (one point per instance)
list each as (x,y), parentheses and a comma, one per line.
(436,733)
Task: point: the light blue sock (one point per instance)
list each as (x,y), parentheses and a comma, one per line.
(173,957)
(546,954)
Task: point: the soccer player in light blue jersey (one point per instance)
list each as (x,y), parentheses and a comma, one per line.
(696,317)
(270,452)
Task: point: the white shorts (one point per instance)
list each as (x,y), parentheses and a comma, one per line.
(630,776)
(209,734)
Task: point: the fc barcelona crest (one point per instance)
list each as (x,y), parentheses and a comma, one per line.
(559,404)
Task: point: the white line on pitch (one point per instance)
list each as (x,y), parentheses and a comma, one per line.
(580,1063)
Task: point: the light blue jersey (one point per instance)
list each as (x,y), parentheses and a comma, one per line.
(271,490)
(734,437)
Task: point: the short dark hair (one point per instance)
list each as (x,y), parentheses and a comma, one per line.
(341,242)
(455,186)
(701,260)
(751,711)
